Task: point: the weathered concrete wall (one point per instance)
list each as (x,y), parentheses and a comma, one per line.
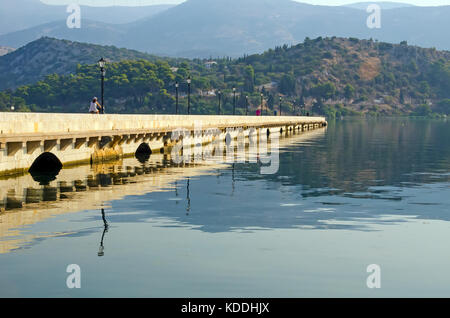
(84,138)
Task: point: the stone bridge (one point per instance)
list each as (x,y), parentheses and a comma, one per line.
(39,141)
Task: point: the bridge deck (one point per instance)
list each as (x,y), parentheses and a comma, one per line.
(34,127)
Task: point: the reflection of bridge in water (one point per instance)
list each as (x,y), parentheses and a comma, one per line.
(25,201)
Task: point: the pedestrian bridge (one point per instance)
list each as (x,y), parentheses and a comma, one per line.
(35,141)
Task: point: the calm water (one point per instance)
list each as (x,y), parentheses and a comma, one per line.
(359,193)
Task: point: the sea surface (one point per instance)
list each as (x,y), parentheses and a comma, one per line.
(358,193)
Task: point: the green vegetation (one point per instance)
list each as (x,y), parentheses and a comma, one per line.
(52,56)
(332,76)
(443,107)
(7,101)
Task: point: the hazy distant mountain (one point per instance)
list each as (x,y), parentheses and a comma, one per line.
(47,56)
(204,28)
(90,32)
(17,15)
(383,4)
(237,27)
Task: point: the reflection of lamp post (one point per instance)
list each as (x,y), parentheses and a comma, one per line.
(220,97)
(102,64)
(234,100)
(188,196)
(176,94)
(189,94)
(105,230)
(233,181)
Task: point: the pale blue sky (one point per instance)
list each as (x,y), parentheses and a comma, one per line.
(147,2)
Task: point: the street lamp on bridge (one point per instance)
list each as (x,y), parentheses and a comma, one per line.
(262,101)
(176,98)
(246,105)
(281,101)
(234,100)
(102,64)
(219,93)
(189,94)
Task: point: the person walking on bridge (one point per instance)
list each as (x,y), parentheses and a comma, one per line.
(95,107)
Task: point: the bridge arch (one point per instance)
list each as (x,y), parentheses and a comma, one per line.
(143,152)
(46,163)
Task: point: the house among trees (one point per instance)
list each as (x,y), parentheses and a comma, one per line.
(210,64)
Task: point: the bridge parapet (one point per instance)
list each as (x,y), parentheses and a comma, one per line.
(34,123)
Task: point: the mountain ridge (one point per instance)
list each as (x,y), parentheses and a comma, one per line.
(204,28)
(46,56)
(19,15)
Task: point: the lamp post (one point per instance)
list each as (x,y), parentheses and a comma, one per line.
(189,94)
(246,105)
(280,104)
(234,100)
(220,97)
(262,96)
(301,103)
(102,64)
(176,98)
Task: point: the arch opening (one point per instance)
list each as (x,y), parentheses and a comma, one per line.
(45,168)
(143,153)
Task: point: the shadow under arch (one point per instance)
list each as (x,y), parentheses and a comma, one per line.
(45,168)
(143,153)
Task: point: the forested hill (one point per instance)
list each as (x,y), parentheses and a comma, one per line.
(331,76)
(362,74)
(48,55)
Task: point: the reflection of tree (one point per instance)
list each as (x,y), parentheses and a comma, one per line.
(347,161)
(360,154)
(351,158)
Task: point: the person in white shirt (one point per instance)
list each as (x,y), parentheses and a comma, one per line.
(95,106)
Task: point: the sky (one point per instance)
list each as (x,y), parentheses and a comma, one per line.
(150,2)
